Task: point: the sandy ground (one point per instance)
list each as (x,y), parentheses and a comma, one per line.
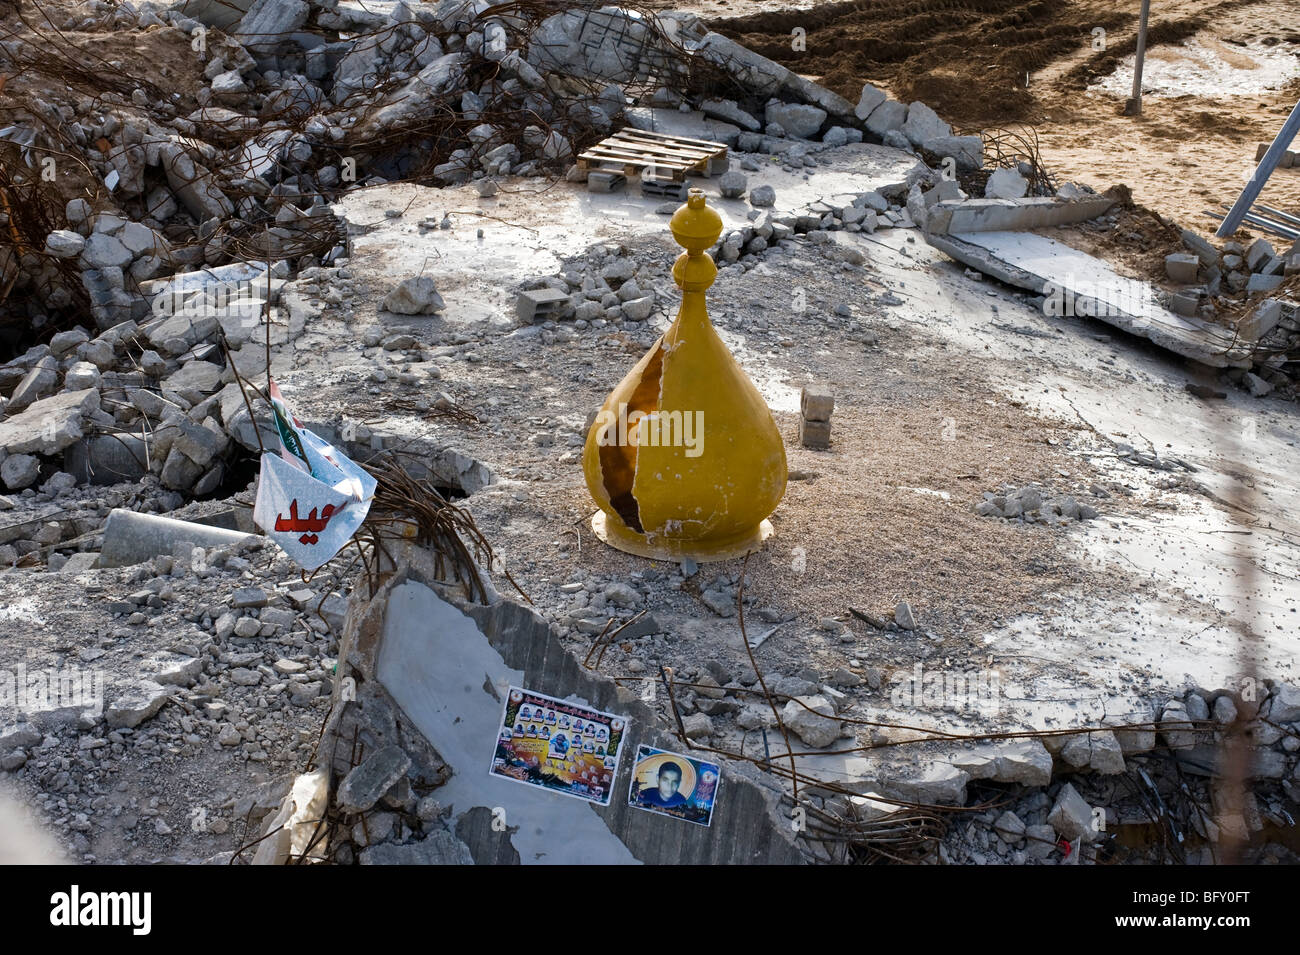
(1220,78)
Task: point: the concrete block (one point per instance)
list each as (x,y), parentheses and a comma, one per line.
(728,111)
(1182,267)
(49,425)
(816,403)
(815,434)
(41,380)
(923,125)
(889,115)
(868,101)
(605,181)
(1207,253)
(1185,303)
(1260,252)
(1261,282)
(1006,183)
(967,151)
(538,305)
(665,188)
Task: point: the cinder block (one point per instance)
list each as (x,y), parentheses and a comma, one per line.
(1259,253)
(815,434)
(605,181)
(1260,150)
(665,188)
(1182,267)
(1185,303)
(816,403)
(1263,283)
(540,304)
(1262,321)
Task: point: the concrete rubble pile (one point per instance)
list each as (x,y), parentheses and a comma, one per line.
(209,241)
(298,102)
(406,782)
(1185,790)
(214,240)
(1237,280)
(398,792)
(150,388)
(201,664)
(1222,296)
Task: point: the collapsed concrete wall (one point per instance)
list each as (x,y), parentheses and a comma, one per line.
(446,665)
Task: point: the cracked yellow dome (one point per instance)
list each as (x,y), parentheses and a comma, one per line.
(684,459)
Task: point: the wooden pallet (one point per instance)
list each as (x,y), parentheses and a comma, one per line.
(629,151)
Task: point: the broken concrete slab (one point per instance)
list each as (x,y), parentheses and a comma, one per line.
(1006,183)
(291,831)
(438,848)
(40,381)
(195,380)
(222,14)
(955,217)
(967,151)
(762,76)
(475,275)
(692,125)
(140,701)
(448,665)
(371,778)
(797,119)
(812,719)
(193,184)
(1071,816)
(49,425)
(887,117)
(265,24)
(1077,284)
(131,537)
(1024,761)
(107,459)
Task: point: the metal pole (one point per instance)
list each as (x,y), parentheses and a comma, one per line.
(1265,169)
(1134,106)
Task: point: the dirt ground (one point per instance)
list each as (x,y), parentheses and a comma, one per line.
(1003,62)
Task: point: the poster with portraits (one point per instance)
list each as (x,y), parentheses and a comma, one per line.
(563,747)
(672,784)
